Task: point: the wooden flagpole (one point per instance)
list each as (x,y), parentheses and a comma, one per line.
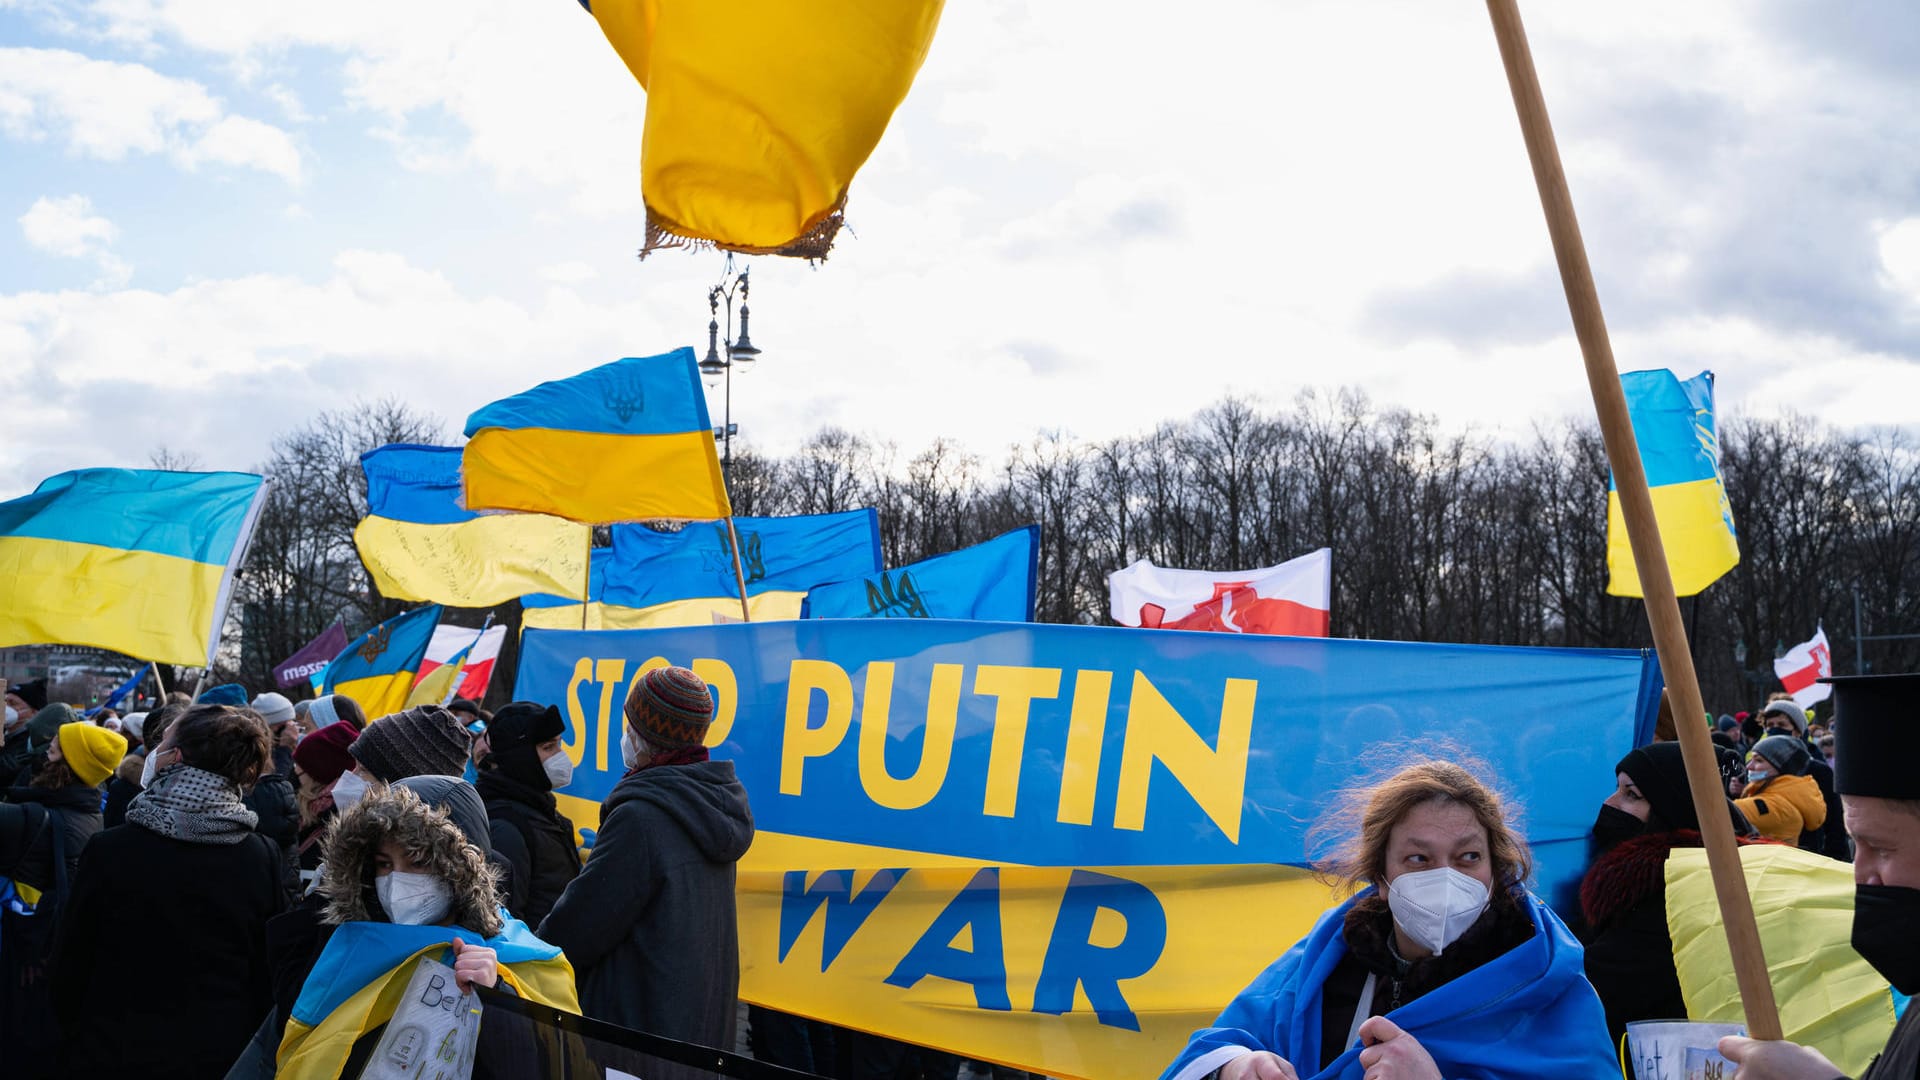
(1649,555)
(739,575)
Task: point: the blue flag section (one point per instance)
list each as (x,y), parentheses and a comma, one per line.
(776,554)
(1048,745)
(991,581)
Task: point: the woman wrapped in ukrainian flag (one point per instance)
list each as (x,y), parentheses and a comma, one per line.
(403,881)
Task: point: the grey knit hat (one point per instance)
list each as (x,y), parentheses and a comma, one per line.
(1792,711)
(426,740)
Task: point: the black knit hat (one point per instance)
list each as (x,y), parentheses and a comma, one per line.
(1878,734)
(33,693)
(1660,773)
(671,708)
(426,740)
(524,723)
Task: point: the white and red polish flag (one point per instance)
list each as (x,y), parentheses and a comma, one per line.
(1292,598)
(1802,666)
(477,670)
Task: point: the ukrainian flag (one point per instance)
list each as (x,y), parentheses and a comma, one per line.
(991,581)
(652,578)
(759,112)
(419,543)
(626,441)
(138,561)
(1673,423)
(378,668)
(357,982)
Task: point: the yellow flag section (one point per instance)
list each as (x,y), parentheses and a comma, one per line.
(700,611)
(1829,997)
(759,112)
(962,954)
(357,982)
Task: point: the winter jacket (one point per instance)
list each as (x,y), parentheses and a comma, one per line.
(273,799)
(122,786)
(1527,1012)
(1831,839)
(1629,957)
(202,911)
(1783,807)
(649,924)
(534,839)
(1901,1059)
(26,848)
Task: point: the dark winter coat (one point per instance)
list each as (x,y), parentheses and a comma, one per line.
(1831,840)
(122,787)
(1623,900)
(1901,1059)
(535,841)
(26,848)
(202,910)
(273,799)
(649,924)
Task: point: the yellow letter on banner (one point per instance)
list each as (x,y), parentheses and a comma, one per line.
(1086,731)
(801,742)
(607,673)
(1016,688)
(726,692)
(936,751)
(1215,776)
(582,673)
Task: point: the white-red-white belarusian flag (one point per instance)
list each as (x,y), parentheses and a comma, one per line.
(477,670)
(1292,598)
(1803,666)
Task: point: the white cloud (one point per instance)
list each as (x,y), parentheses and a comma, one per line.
(1900,257)
(67,226)
(568,273)
(108,109)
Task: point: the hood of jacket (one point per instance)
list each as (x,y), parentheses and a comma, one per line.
(429,837)
(705,799)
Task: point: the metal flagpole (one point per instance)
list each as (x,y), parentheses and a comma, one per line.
(1643,530)
(739,575)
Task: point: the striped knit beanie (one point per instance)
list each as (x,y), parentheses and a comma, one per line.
(671,708)
(426,740)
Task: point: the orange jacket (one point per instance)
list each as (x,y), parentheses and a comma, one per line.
(1783,807)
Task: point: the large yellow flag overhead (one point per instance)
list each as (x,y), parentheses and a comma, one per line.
(759,112)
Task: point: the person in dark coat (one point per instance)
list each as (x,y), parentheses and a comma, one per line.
(649,924)
(1874,753)
(31,751)
(318,762)
(55,816)
(522,765)
(1784,717)
(1623,898)
(273,802)
(125,784)
(204,883)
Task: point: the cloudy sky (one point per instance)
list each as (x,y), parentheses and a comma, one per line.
(221,217)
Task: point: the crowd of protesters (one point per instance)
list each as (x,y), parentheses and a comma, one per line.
(213,855)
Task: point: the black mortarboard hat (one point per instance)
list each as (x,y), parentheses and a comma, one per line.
(33,693)
(1878,735)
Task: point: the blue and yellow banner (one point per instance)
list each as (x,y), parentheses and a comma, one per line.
(419,543)
(139,561)
(378,668)
(626,441)
(1066,848)
(991,581)
(1673,423)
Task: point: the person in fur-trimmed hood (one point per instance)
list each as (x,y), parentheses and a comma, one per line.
(407,877)
(1623,898)
(650,921)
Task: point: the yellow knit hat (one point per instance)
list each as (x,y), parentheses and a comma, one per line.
(91,751)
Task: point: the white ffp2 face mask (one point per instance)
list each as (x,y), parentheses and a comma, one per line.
(630,747)
(413,899)
(560,768)
(347,790)
(1434,907)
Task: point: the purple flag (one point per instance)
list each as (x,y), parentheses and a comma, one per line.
(312,658)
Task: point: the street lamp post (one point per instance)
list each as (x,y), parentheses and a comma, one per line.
(740,353)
